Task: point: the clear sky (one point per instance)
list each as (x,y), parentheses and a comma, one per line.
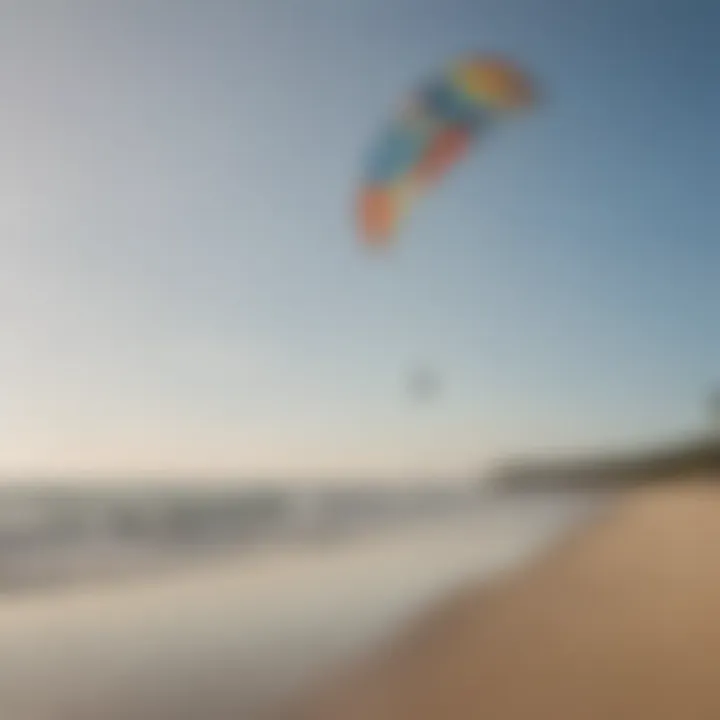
(181,288)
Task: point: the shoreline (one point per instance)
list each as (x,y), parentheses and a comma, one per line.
(242,635)
(619,619)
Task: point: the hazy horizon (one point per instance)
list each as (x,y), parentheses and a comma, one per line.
(182,291)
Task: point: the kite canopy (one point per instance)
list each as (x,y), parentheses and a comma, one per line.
(434,130)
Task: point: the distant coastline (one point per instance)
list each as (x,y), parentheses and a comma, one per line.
(609,471)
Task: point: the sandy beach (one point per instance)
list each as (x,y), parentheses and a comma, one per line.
(618,621)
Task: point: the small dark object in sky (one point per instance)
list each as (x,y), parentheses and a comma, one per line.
(424,384)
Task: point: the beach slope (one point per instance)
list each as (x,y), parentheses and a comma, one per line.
(622,620)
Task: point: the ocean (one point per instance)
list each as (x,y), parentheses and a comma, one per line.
(231,628)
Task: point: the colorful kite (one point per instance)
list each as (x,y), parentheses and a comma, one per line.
(434,130)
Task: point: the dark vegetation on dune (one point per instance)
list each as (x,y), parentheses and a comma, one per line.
(610,471)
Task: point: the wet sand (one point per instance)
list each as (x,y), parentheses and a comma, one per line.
(620,621)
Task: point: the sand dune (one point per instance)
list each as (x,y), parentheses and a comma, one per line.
(621,621)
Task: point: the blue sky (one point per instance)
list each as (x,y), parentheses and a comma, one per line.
(181,288)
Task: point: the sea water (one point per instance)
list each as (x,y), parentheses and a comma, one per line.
(229,636)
